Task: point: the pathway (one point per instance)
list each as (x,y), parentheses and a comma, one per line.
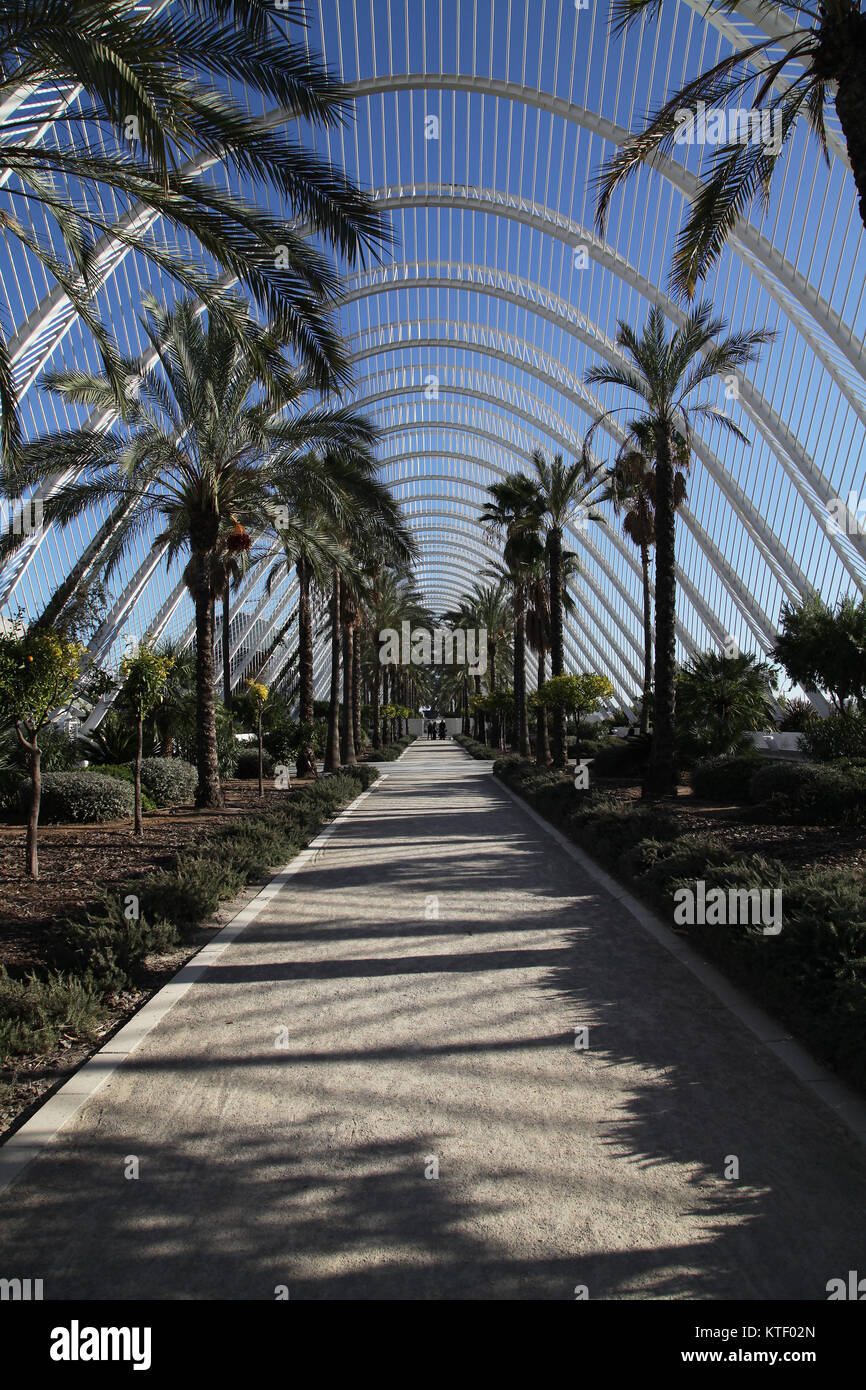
(404,1007)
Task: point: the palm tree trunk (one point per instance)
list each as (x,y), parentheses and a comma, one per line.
(467,723)
(356,687)
(305,760)
(520,712)
(850,75)
(479,714)
(305,644)
(542,746)
(377,707)
(332,749)
(647,639)
(557,649)
(208,793)
(227,664)
(386,687)
(661,779)
(348,742)
(261,757)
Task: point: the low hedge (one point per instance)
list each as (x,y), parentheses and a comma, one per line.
(169,780)
(812,975)
(125,773)
(80,798)
(727,778)
(248,764)
(391,751)
(476,749)
(812,793)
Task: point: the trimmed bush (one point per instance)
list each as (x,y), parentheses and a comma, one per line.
(826,796)
(168,780)
(837,736)
(81,798)
(248,764)
(781,777)
(125,774)
(476,749)
(725,779)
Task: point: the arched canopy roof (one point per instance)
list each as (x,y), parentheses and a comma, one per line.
(479,127)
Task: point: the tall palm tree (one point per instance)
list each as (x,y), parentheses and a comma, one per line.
(632,489)
(820,58)
(207,449)
(567,494)
(153,113)
(664,375)
(514,510)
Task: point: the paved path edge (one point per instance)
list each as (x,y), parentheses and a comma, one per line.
(840,1098)
(26,1143)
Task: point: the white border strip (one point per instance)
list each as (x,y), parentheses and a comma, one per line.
(845,1103)
(23,1146)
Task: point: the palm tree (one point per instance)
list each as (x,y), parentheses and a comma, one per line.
(795,73)
(177,709)
(514,510)
(566,494)
(632,490)
(152,116)
(209,450)
(721,698)
(664,375)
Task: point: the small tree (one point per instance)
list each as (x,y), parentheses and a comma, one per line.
(720,699)
(825,649)
(37,673)
(578,695)
(145,677)
(258,697)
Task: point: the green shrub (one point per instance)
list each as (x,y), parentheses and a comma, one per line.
(620,757)
(60,753)
(837,736)
(125,774)
(787,778)
(34,1012)
(81,798)
(829,796)
(248,764)
(725,779)
(107,947)
(169,780)
(476,749)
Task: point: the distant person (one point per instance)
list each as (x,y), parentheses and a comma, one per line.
(443,729)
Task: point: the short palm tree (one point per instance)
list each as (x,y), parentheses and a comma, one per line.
(632,490)
(722,698)
(820,58)
(207,450)
(567,494)
(665,374)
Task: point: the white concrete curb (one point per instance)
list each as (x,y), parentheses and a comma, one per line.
(28,1141)
(845,1103)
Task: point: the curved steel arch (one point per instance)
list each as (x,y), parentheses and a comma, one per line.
(776,557)
(737,591)
(761,256)
(814,488)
